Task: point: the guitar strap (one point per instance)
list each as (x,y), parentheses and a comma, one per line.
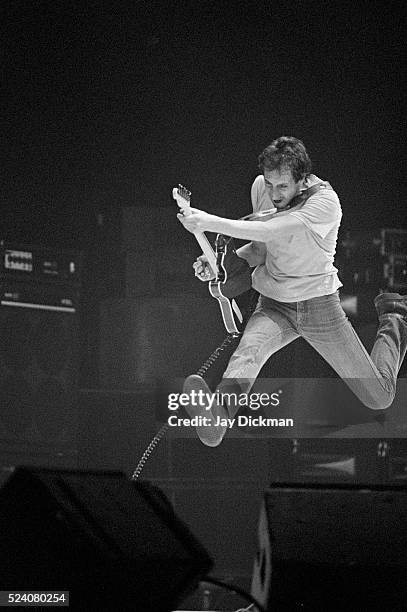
(300,198)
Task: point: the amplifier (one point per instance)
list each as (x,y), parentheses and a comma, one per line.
(395,272)
(393,242)
(39,296)
(42,264)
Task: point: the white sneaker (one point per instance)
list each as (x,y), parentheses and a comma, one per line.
(209,434)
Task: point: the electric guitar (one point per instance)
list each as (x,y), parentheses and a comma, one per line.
(232,274)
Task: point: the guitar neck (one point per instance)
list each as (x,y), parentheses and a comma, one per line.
(182,197)
(206,249)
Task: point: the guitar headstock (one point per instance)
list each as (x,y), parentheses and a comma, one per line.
(183,198)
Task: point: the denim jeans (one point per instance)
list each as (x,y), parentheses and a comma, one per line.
(322,322)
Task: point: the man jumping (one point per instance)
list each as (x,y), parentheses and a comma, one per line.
(293,256)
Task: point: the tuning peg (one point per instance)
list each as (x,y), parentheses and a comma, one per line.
(184,191)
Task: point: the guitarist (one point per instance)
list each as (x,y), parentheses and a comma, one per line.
(293,254)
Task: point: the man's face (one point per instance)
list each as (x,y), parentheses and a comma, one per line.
(281,187)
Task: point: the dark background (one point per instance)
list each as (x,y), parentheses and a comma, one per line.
(107,105)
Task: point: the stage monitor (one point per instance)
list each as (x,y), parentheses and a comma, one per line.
(332,547)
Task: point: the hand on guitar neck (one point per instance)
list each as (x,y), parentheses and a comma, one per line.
(203,270)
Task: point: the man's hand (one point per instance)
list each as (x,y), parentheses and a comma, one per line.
(203,271)
(195,221)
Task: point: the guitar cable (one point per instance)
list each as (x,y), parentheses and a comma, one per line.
(205,367)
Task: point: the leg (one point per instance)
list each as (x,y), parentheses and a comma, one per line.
(269,329)
(371,378)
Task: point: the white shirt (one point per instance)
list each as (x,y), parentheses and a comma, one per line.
(300,266)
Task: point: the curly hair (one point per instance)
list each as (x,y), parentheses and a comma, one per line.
(286,153)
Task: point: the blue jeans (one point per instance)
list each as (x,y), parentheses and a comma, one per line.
(322,322)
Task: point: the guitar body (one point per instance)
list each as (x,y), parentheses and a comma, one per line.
(234,273)
(233,311)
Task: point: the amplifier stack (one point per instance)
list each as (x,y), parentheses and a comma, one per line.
(39,354)
(369,263)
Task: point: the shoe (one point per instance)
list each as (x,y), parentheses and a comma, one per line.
(209,434)
(391,303)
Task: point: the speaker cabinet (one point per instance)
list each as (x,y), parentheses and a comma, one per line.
(223,515)
(335,547)
(110,542)
(115,429)
(38,383)
(159,338)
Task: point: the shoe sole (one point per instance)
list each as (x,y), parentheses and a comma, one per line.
(210,435)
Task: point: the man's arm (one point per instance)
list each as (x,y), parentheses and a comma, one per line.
(259,231)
